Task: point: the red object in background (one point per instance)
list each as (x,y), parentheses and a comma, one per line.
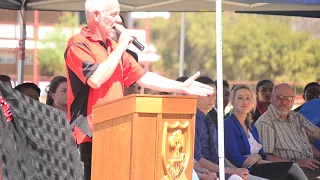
(147,28)
(6,110)
(21,50)
(35,51)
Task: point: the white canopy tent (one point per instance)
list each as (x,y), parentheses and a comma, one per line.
(167,5)
(159,5)
(175,6)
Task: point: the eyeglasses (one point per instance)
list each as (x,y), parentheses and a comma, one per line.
(282,97)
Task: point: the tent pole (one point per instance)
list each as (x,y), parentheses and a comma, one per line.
(182,44)
(21,51)
(35,51)
(147,29)
(220,88)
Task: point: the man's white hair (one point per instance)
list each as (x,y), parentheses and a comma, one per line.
(92,5)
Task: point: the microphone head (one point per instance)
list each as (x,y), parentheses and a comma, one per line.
(119,29)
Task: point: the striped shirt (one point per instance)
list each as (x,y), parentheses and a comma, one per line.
(285,138)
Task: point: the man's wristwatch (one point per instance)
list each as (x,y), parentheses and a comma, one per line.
(203,170)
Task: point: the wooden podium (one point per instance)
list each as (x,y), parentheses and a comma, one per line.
(144,137)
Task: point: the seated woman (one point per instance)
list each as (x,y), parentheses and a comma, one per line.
(263,91)
(242,144)
(57,93)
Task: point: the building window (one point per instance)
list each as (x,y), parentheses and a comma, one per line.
(7,59)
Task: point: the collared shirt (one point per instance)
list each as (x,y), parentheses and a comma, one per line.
(285,138)
(203,143)
(83,54)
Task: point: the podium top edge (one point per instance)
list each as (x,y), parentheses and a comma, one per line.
(162,96)
(148,96)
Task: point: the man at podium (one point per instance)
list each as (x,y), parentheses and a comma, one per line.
(98,68)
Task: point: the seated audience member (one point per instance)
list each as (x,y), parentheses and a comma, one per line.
(194,175)
(182,78)
(213,113)
(29,89)
(285,134)
(310,110)
(228,114)
(160,93)
(242,144)
(310,91)
(226,94)
(263,91)
(198,171)
(202,173)
(5,79)
(133,89)
(206,137)
(31,136)
(57,93)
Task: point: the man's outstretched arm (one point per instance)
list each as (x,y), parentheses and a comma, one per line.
(190,86)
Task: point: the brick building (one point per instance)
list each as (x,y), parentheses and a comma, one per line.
(10,35)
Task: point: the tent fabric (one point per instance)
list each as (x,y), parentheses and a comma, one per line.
(170,5)
(283,1)
(310,14)
(38,142)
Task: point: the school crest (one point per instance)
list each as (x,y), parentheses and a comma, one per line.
(175,150)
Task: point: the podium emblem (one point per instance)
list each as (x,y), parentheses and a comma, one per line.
(175,150)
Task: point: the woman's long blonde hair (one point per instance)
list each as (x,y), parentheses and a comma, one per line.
(236,88)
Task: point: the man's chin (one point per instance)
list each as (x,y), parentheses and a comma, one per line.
(283,112)
(113,36)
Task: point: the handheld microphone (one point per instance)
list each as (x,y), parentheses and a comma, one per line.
(135,42)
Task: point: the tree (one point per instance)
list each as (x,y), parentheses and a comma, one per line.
(166,35)
(51,57)
(255,47)
(267,47)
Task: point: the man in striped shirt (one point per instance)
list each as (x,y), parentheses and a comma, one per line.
(286,135)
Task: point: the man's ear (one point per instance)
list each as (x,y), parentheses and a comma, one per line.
(96,15)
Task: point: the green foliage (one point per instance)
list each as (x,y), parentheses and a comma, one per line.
(255,47)
(51,56)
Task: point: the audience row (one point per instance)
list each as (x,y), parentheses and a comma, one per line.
(286,149)
(56,91)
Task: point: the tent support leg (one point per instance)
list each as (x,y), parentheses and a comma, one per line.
(220,88)
(182,44)
(21,51)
